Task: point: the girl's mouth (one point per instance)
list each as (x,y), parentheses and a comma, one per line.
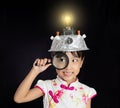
(68,73)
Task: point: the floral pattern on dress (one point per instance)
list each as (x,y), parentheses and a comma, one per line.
(59,95)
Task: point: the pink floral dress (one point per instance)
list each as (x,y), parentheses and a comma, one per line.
(58,95)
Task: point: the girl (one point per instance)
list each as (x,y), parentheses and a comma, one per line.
(65,91)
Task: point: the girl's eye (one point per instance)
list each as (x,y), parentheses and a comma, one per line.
(75,60)
(62,59)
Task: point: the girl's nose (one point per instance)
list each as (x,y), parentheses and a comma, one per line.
(69,65)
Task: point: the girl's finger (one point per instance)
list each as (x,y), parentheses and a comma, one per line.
(44,61)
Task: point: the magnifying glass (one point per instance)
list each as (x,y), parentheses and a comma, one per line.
(60,60)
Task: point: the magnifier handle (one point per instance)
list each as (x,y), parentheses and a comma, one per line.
(49,60)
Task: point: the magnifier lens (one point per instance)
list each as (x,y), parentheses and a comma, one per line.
(60,61)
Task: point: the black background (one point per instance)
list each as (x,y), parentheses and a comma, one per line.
(25,30)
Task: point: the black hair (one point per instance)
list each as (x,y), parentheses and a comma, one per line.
(74,53)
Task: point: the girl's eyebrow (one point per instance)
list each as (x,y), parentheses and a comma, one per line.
(74,57)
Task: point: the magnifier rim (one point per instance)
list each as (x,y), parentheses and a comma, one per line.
(66,59)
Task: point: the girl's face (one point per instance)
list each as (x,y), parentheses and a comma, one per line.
(69,74)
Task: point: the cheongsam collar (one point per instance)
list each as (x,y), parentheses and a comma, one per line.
(61,81)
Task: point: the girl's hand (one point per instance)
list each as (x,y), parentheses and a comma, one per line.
(41,65)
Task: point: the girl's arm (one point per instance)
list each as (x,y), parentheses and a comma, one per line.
(24,92)
(88,104)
